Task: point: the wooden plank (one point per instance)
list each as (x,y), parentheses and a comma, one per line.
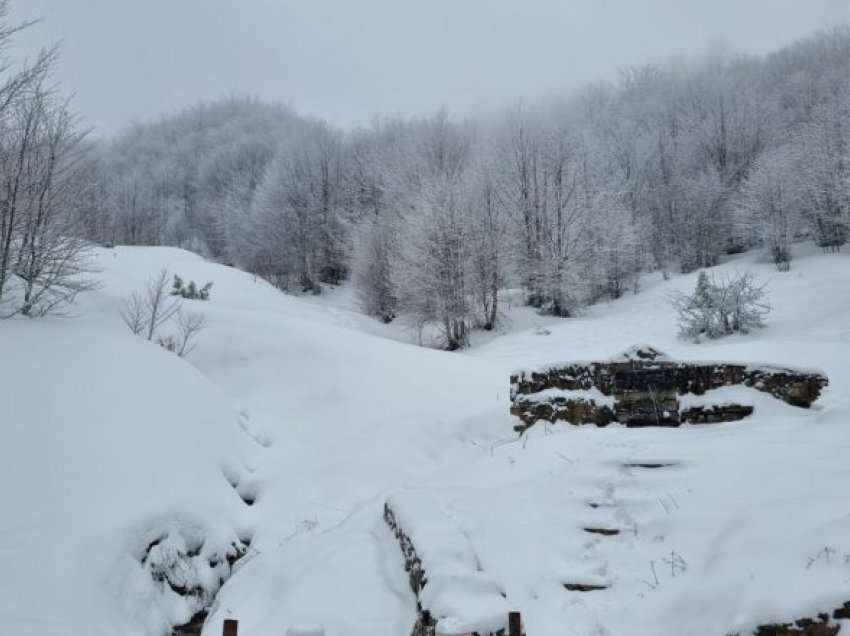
(230,628)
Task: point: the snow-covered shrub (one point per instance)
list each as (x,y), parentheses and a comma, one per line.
(719,308)
(190,291)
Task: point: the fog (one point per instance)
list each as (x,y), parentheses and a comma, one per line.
(348,61)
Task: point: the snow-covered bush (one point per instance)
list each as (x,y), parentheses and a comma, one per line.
(719,308)
(190,291)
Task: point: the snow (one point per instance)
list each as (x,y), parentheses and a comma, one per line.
(722,396)
(308,630)
(320,415)
(547,395)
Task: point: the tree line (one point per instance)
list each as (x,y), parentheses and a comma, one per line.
(431,218)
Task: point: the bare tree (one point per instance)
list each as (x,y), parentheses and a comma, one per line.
(134,313)
(160,305)
(42,257)
(144,313)
(189,326)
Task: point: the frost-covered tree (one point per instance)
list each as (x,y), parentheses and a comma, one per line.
(668,168)
(520,156)
(825,172)
(564,213)
(433,274)
(283,233)
(487,236)
(299,233)
(333,230)
(620,249)
(433,277)
(189,179)
(770,204)
(374,268)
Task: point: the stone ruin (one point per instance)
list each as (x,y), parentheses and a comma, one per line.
(642,387)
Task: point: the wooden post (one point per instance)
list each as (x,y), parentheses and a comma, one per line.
(231,627)
(514,624)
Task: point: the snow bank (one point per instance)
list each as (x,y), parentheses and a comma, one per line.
(109,443)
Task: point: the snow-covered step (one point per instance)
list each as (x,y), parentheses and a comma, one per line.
(455,596)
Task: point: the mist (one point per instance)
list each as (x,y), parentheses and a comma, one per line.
(347,62)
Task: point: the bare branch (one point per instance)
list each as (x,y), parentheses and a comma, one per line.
(190,325)
(160,305)
(134,314)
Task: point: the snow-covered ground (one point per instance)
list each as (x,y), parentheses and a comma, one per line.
(318,414)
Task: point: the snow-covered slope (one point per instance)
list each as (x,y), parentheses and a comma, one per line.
(110,443)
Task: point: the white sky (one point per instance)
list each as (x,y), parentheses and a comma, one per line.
(347,60)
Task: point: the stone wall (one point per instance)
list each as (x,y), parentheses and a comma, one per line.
(824,624)
(646,384)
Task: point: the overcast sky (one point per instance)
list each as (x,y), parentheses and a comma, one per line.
(347,60)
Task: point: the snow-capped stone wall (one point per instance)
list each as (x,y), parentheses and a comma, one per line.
(642,386)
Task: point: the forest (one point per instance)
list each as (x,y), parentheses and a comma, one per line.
(569,200)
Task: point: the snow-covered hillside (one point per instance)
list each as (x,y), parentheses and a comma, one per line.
(116,452)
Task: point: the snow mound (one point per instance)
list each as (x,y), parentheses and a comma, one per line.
(110,443)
